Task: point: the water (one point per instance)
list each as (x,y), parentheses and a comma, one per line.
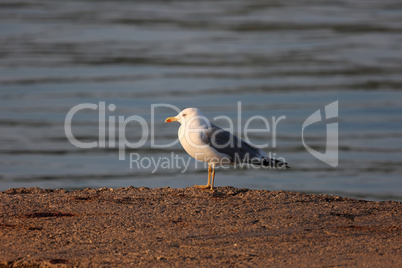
(277,58)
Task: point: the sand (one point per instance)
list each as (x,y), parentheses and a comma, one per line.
(189,227)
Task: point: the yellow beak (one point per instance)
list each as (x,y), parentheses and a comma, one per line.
(171,119)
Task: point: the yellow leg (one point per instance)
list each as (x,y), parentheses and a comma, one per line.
(213,178)
(209,180)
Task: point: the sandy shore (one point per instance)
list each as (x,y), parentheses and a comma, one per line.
(189,227)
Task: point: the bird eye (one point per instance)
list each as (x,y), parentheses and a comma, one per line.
(184,114)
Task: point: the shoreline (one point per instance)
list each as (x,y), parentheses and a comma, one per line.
(170,227)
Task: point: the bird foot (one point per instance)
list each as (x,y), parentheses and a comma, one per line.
(203,187)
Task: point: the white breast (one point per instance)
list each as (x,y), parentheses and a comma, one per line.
(193,144)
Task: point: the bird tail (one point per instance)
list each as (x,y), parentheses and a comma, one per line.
(272,162)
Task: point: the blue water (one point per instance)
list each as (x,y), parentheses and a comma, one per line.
(277,58)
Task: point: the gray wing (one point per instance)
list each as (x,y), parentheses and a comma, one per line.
(227,143)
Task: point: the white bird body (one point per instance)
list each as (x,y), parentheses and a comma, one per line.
(193,143)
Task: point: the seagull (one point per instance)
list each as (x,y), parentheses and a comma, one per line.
(209,143)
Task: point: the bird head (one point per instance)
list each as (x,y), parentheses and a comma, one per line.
(185,115)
